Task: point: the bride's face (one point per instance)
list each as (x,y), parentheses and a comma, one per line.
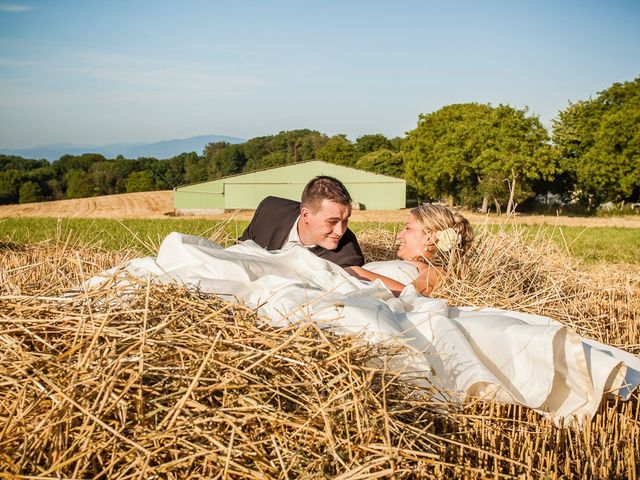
(413,240)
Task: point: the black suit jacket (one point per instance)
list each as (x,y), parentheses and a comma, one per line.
(272,222)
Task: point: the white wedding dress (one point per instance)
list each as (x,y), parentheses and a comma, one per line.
(467,352)
(399,270)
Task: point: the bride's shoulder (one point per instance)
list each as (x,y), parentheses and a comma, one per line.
(421,266)
(384,263)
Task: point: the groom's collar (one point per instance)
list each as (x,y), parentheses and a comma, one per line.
(294,237)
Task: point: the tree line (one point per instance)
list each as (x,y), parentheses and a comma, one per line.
(470,154)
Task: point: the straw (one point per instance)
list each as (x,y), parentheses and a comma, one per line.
(174,383)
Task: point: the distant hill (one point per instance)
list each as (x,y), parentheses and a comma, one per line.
(159,150)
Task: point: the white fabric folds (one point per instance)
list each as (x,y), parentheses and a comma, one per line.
(489,353)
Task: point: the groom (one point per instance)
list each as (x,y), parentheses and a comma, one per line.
(318,222)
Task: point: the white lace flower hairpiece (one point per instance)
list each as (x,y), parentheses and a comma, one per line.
(447,239)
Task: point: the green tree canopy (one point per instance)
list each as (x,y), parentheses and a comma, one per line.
(599,144)
(195,168)
(109,176)
(9,186)
(370,143)
(383,161)
(79,184)
(227,161)
(263,152)
(516,154)
(141,181)
(474,153)
(13,162)
(284,148)
(211,149)
(339,150)
(30,192)
(298,145)
(66,163)
(273,159)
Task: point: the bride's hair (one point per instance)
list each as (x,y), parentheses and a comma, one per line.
(437,218)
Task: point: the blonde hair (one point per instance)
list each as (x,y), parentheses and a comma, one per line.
(437,218)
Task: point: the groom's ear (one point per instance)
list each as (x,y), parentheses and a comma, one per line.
(304,213)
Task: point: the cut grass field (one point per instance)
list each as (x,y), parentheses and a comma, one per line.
(589,244)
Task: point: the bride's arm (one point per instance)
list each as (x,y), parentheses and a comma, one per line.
(425,283)
(427,280)
(364,274)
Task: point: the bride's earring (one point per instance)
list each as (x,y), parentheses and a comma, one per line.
(429,252)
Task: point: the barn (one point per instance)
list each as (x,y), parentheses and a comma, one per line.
(369,191)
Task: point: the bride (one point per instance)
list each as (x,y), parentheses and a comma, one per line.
(486,353)
(432,239)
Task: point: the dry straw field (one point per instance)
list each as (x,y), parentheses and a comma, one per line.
(168,382)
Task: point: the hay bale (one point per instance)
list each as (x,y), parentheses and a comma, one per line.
(174,383)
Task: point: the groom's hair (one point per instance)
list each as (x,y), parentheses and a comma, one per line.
(324,187)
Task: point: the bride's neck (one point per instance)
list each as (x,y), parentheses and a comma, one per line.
(425,258)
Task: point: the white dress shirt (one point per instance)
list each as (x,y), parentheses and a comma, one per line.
(294,238)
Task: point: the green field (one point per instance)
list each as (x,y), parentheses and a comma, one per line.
(591,244)
(595,244)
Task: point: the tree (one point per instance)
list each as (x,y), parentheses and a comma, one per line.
(370,143)
(109,176)
(518,152)
(41,176)
(263,152)
(66,163)
(56,189)
(252,152)
(383,161)
(304,145)
(599,144)
(121,169)
(440,151)
(30,192)
(396,143)
(14,162)
(273,159)
(339,150)
(9,186)
(195,168)
(211,149)
(79,184)
(284,148)
(468,152)
(227,161)
(22,179)
(175,171)
(295,145)
(141,181)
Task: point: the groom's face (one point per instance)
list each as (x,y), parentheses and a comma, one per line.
(325,225)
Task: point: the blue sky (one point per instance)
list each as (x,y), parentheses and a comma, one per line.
(97,72)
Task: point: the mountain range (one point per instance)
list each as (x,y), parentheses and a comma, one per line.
(160,150)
